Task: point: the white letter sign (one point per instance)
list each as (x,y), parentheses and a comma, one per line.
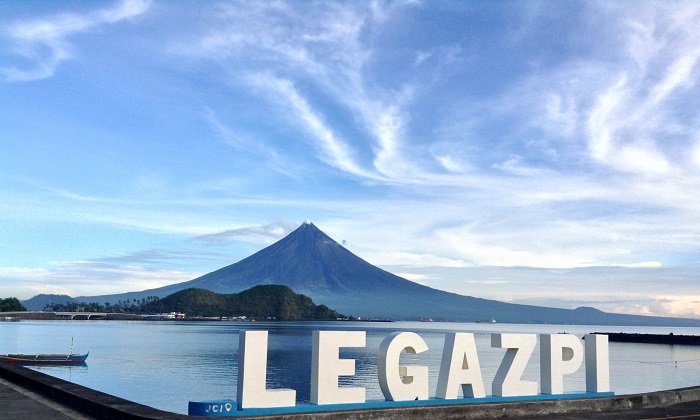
(327,366)
(597,363)
(402,383)
(460,368)
(252,374)
(460,375)
(507,381)
(560,354)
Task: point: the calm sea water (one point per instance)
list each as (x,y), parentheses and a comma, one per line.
(167,364)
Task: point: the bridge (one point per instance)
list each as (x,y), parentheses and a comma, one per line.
(12,316)
(53,315)
(81,315)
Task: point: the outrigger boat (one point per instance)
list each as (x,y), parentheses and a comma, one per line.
(45,358)
(56,359)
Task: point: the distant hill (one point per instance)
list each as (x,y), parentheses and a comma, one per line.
(310,262)
(39,302)
(262,301)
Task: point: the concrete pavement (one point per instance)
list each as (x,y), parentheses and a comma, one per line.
(17,403)
(686,410)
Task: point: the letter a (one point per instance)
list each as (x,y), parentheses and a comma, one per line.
(460,368)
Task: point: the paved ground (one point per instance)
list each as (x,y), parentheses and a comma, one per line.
(689,410)
(17,403)
(678,411)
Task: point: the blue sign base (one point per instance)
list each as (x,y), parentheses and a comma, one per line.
(229,408)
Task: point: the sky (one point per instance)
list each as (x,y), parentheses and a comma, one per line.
(544,153)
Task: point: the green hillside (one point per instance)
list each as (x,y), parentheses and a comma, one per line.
(261,301)
(11,305)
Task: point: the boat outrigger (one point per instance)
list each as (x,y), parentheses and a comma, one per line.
(45,358)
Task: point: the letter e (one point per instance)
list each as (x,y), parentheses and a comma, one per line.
(327,366)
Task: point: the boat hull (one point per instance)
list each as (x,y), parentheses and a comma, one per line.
(45,358)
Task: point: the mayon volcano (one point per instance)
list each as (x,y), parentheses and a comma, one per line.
(311,263)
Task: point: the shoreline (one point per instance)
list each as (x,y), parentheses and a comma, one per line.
(102,316)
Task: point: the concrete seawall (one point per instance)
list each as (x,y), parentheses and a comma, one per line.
(104,406)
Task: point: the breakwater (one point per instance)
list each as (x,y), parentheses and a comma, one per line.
(688,340)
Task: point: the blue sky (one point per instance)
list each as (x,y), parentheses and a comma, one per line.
(533,152)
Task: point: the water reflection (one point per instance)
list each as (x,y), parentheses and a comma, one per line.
(74,371)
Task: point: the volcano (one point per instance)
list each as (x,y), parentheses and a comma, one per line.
(309,262)
(312,263)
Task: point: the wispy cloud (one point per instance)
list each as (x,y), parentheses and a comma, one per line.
(266,234)
(85,278)
(330,148)
(45,44)
(588,109)
(634,124)
(324,53)
(250,144)
(150,258)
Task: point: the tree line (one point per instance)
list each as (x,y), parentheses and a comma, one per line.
(128,306)
(11,304)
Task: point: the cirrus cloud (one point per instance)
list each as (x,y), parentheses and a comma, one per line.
(44,44)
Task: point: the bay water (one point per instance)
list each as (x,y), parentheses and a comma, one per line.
(166,364)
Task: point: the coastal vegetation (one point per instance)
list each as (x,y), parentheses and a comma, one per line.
(11,304)
(260,302)
(128,306)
